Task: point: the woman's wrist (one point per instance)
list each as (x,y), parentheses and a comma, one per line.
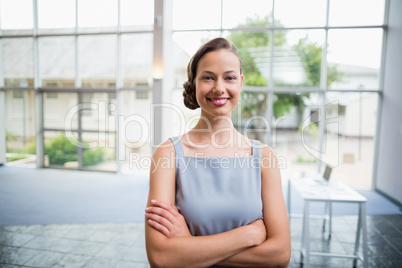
(256,232)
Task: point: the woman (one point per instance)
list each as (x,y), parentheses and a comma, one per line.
(215,197)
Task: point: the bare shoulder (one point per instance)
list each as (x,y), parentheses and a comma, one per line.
(163,158)
(166,148)
(269,159)
(266,150)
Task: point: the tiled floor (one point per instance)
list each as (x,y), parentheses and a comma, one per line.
(122,244)
(384,238)
(34,201)
(73,245)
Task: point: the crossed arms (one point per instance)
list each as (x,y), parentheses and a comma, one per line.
(263,243)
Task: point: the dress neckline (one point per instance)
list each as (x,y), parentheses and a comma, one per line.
(179,148)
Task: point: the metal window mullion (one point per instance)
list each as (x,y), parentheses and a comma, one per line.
(323,86)
(270,101)
(40,152)
(354,90)
(276,28)
(39,108)
(118,49)
(323,77)
(78,85)
(70,34)
(221,28)
(76,90)
(37,82)
(384,44)
(77,47)
(80,142)
(256,29)
(119,85)
(76,130)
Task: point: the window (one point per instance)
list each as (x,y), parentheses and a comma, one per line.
(56,61)
(56,16)
(355,54)
(297,63)
(18,62)
(97,61)
(136,60)
(78,71)
(14,19)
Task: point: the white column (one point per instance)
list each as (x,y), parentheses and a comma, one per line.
(119,85)
(163,69)
(38,95)
(157,73)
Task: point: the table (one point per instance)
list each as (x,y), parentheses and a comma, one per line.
(313,189)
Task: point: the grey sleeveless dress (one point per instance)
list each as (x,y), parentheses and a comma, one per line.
(218,194)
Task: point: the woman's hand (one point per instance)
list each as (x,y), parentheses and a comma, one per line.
(166,219)
(258,231)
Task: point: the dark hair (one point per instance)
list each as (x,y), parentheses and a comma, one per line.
(189,87)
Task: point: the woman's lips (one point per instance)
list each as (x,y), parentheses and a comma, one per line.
(218,101)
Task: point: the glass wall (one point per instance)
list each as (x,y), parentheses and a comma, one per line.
(311,76)
(67,69)
(81,71)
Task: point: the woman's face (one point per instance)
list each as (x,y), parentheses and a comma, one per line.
(218,82)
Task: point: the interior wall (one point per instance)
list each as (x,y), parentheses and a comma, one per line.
(389,168)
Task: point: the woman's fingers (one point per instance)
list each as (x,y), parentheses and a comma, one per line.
(161,204)
(161,212)
(161,220)
(166,219)
(159,223)
(162,216)
(159,227)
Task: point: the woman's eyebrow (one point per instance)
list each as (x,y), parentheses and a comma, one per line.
(210,72)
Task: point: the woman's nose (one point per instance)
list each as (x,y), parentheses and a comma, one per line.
(219,87)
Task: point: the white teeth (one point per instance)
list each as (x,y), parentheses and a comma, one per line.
(220,100)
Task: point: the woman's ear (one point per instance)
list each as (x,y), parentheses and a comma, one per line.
(241,82)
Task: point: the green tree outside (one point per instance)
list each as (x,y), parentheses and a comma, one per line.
(60,151)
(310,54)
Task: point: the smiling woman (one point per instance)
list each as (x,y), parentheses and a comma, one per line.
(217,203)
(218,82)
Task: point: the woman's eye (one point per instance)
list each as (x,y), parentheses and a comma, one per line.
(231,78)
(208,78)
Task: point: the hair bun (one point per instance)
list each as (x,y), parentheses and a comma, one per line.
(189,97)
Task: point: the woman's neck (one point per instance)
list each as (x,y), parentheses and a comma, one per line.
(218,130)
